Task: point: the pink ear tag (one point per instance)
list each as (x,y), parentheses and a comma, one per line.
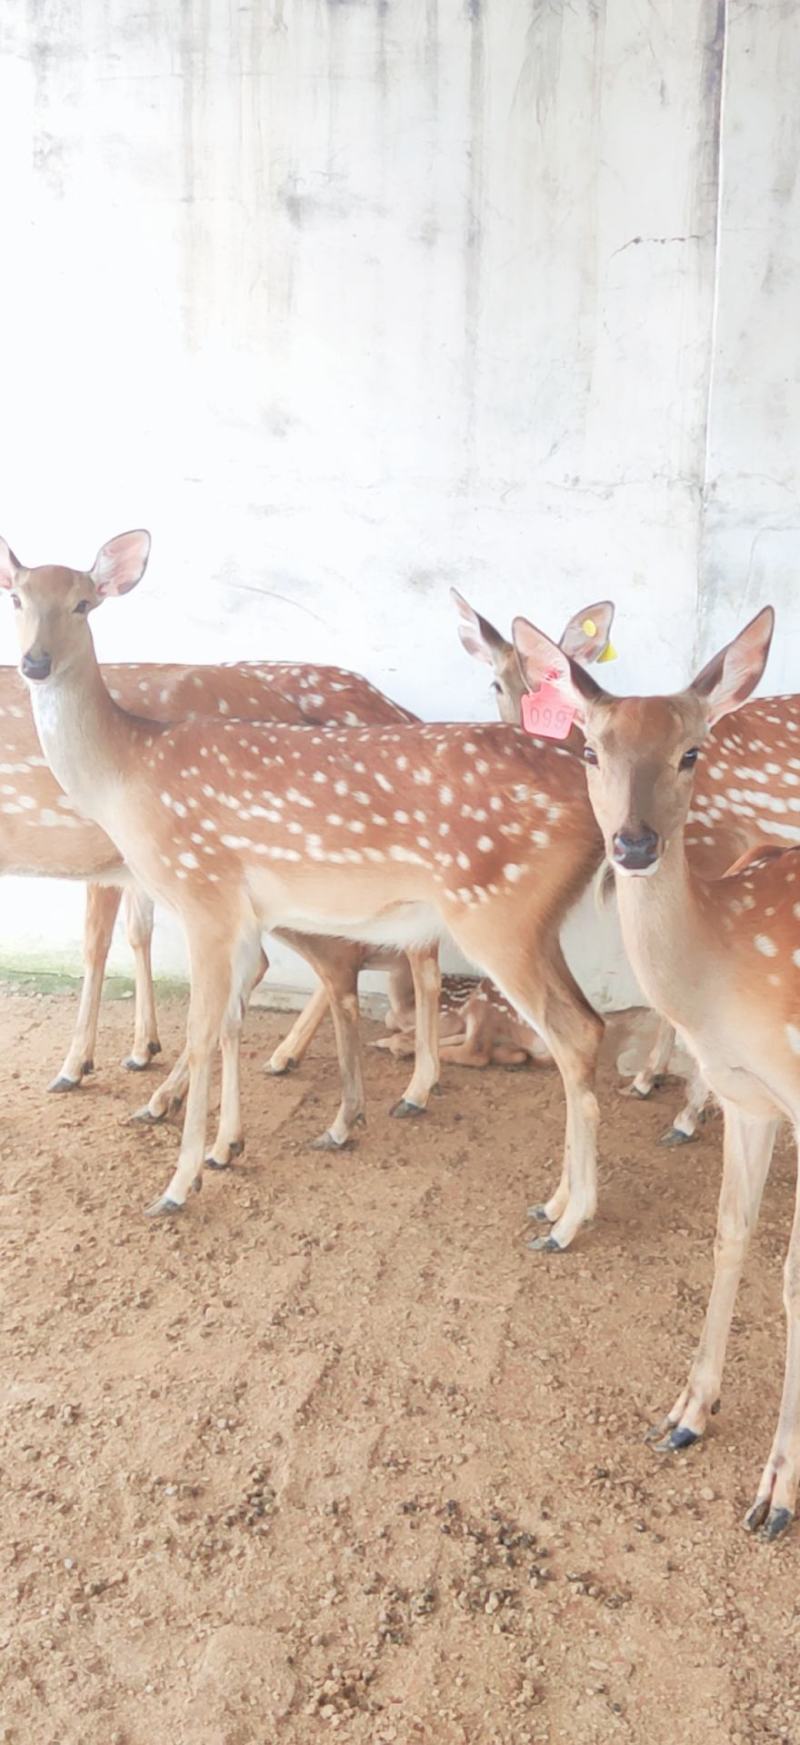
(545,712)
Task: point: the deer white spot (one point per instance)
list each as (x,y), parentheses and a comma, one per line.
(401,818)
(462,860)
(402,761)
(383,783)
(235,841)
(340,787)
(188,859)
(512,872)
(334,819)
(357,827)
(398,852)
(423,775)
(485,844)
(446,796)
(224,708)
(765,945)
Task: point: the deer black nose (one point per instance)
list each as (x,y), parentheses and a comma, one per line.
(636,853)
(36,666)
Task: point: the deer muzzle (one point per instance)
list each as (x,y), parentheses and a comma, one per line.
(636,853)
(36,666)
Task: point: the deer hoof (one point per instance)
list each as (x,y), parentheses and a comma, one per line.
(545,1245)
(327,1141)
(235,1149)
(768,1523)
(539,1214)
(164,1208)
(676,1439)
(131,1064)
(153,1048)
(63,1083)
(147,1118)
(404,1110)
(676,1136)
(278,1067)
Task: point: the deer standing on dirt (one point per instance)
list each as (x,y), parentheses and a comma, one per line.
(41,834)
(477,1026)
(391,836)
(721,959)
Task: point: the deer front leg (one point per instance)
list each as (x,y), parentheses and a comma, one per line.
(229,1142)
(221,974)
(139,929)
(427,980)
(102,905)
(775,1502)
(747,1150)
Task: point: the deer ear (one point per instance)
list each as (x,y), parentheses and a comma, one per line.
(121,563)
(10,565)
(729,678)
(543,662)
(478,636)
(586,637)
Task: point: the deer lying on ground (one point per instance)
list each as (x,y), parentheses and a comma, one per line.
(391,836)
(721,959)
(478,1027)
(42,835)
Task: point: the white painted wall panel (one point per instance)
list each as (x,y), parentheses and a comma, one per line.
(349,300)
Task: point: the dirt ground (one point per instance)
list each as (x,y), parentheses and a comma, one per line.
(334,1455)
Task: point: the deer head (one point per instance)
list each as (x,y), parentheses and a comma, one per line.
(586,638)
(641,751)
(51,604)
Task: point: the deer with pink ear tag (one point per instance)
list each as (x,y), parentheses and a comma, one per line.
(721,958)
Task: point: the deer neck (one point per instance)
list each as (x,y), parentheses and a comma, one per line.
(666,935)
(82,734)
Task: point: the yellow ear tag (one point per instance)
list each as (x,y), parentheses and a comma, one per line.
(609,653)
(589,627)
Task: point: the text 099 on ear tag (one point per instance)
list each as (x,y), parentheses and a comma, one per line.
(546,714)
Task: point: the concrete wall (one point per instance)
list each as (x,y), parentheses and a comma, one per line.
(349,300)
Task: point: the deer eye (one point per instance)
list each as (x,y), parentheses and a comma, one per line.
(588,755)
(689,758)
(82,607)
(16,602)
(495,685)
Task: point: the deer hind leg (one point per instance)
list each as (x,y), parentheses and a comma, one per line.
(290,1051)
(775,1501)
(139,929)
(102,906)
(229,1142)
(168,1096)
(528,966)
(685,1124)
(747,1151)
(427,980)
(220,974)
(337,963)
(656,1063)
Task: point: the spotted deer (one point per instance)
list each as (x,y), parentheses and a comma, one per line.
(748,786)
(41,834)
(383,835)
(477,1026)
(720,958)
